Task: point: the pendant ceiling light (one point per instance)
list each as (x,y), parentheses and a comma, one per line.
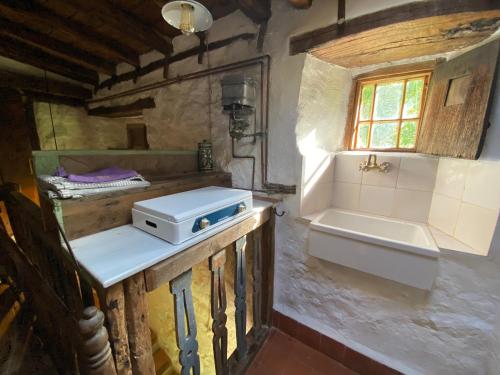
(188,16)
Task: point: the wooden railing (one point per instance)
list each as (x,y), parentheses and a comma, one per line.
(59,296)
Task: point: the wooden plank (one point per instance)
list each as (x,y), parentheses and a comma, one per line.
(458,129)
(44,20)
(254,343)
(56,99)
(113,15)
(117,328)
(268,255)
(240,300)
(218,304)
(160,64)
(410,39)
(133,109)
(87,216)
(139,335)
(257,279)
(25,53)
(301,4)
(56,47)
(406,12)
(179,263)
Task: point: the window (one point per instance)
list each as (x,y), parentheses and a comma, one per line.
(389,112)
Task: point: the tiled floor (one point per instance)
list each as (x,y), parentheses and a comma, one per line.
(284,355)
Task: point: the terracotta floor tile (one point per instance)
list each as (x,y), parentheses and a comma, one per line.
(284,355)
(294,367)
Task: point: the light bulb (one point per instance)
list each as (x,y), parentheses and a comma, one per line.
(187,13)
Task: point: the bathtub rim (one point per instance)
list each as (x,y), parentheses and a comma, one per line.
(428,251)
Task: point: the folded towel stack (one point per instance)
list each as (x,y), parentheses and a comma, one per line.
(76,186)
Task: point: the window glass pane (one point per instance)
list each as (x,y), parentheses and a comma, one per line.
(408,134)
(365,108)
(388,99)
(384,135)
(362,140)
(414,89)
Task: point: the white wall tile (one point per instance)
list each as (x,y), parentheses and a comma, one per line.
(475,226)
(444,213)
(412,205)
(417,173)
(376,200)
(482,185)
(388,179)
(346,168)
(450,179)
(346,195)
(318,198)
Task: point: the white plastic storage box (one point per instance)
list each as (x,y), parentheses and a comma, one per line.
(178,217)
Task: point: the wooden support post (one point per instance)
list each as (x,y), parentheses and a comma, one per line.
(180,287)
(115,314)
(257,280)
(218,311)
(137,316)
(202,36)
(240,297)
(268,267)
(95,355)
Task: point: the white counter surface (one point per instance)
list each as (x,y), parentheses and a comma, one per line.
(115,254)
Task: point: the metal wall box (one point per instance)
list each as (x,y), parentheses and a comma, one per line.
(238,90)
(178,217)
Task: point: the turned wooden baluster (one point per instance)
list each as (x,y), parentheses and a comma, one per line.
(95,354)
(240,281)
(218,311)
(257,280)
(180,287)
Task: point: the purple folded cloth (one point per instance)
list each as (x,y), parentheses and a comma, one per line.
(103,175)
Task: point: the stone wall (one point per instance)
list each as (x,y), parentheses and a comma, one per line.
(75,130)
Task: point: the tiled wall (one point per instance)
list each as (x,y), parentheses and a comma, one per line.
(405,192)
(466,201)
(459,197)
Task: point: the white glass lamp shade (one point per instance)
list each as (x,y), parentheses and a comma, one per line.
(189,16)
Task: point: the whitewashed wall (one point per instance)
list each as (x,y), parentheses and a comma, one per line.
(450,330)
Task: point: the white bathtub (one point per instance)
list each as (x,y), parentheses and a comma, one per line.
(394,249)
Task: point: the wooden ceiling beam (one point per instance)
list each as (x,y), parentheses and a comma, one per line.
(55,47)
(301,4)
(128,110)
(36,84)
(27,12)
(407,12)
(259,11)
(132,27)
(55,99)
(19,51)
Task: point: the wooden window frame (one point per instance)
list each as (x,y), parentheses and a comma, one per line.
(355,102)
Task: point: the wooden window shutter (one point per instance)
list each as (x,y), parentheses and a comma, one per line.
(456,115)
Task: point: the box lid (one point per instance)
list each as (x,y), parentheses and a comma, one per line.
(183,206)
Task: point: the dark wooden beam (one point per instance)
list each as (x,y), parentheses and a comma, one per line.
(24,53)
(49,86)
(159,64)
(112,15)
(40,18)
(128,110)
(55,99)
(407,12)
(301,4)
(55,47)
(259,11)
